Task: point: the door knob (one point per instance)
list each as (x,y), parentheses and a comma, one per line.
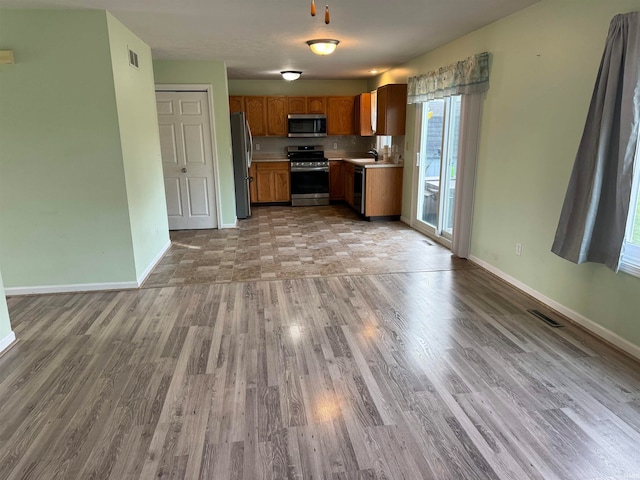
(183,170)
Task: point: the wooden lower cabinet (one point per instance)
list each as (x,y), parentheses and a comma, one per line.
(271,182)
(383,192)
(348,183)
(336,180)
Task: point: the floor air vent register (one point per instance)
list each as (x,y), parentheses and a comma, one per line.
(549,321)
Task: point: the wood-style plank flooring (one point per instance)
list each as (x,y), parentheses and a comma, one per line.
(421,375)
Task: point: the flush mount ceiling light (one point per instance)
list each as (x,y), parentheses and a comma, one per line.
(290,75)
(323,46)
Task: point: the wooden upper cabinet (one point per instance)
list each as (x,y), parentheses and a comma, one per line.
(317,105)
(236,104)
(297,105)
(363,115)
(340,115)
(392,109)
(256,110)
(277,116)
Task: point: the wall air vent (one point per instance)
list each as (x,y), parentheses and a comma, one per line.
(133,59)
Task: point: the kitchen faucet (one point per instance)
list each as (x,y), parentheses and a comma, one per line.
(373,152)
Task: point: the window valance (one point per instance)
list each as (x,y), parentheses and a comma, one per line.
(464,77)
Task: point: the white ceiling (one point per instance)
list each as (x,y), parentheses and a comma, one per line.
(257,39)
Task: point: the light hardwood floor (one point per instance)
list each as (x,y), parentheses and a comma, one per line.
(421,375)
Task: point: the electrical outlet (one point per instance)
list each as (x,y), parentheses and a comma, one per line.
(335,146)
(518,249)
(257,147)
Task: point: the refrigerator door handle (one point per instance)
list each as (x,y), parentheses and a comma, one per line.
(250,152)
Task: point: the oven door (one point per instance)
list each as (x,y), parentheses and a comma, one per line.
(309,181)
(309,187)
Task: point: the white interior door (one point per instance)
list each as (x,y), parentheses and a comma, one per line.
(187,159)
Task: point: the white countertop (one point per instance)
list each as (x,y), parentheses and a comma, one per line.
(269,159)
(368,162)
(371,163)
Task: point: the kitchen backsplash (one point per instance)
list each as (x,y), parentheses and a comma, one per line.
(334,146)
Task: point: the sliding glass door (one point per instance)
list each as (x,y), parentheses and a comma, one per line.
(437,163)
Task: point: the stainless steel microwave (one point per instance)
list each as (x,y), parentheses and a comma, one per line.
(302,125)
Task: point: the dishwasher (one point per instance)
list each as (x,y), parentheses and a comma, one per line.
(358,189)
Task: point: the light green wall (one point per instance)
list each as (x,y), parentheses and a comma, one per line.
(543,68)
(5,325)
(212,73)
(63,204)
(298,87)
(139,137)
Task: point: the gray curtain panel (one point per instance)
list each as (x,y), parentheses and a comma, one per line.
(594,215)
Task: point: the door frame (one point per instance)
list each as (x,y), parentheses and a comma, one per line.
(208,89)
(415,165)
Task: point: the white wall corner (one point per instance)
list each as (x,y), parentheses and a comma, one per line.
(586,323)
(405,220)
(7,341)
(230,225)
(153,263)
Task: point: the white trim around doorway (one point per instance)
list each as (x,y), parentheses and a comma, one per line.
(208,89)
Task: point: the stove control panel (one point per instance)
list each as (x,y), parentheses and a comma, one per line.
(309,164)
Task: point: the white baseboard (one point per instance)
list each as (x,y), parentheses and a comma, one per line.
(88,287)
(230,225)
(7,341)
(153,263)
(80,287)
(584,322)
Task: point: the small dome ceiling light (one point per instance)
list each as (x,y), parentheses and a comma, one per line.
(290,75)
(323,46)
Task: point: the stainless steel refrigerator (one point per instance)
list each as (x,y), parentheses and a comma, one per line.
(242,147)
